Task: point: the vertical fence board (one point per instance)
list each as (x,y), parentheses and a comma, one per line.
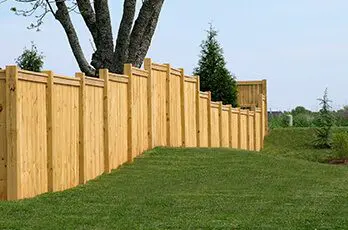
(203,123)
(225,128)
(215,121)
(3,147)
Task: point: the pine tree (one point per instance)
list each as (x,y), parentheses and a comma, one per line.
(214,76)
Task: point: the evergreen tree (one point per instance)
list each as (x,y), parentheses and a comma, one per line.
(214,76)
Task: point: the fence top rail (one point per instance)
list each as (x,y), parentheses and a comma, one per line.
(235,110)
(176,72)
(2,71)
(26,72)
(226,107)
(140,72)
(252,113)
(25,75)
(190,79)
(259,82)
(203,95)
(159,67)
(92,81)
(258,110)
(66,77)
(118,78)
(244,111)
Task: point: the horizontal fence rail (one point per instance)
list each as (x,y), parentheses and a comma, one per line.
(57,132)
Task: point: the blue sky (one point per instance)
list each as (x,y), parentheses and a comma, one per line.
(299,46)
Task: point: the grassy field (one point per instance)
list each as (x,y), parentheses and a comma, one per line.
(195,189)
(296,143)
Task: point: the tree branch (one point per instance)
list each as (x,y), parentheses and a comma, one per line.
(62,15)
(124,31)
(88,16)
(140,25)
(147,37)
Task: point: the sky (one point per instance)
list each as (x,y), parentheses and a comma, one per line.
(299,46)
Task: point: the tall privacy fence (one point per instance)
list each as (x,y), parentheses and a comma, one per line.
(57,132)
(248,95)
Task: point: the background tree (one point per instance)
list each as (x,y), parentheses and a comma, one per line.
(214,76)
(31,59)
(323,133)
(133,38)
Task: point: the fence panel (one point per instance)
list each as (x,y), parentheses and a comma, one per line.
(190,112)
(234,128)
(258,130)
(203,116)
(94,149)
(31,106)
(65,133)
(140,141)
(215,121)
(159,94)
(225,135)
(251,131)
(3,153)
(243,129)
(175,109)
(118,120)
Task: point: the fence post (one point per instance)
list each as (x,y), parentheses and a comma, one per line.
(12,138)
(262,118)
(148,68)
(82,127)
(264,92)
(104,74)
(50,127)
(209,118)
(198,98)
(230,126)
(220,123)
(239,128)
(128,71)
(248,130)
(168,115)
(254,130)
(182,99)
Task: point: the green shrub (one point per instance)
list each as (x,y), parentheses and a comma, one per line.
(303,120)
(281,121)
(340,144)
(30,59)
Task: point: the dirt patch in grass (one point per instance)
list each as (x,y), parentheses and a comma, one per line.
(343,161)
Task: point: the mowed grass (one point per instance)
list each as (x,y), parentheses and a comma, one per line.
(297,143)
(195,189)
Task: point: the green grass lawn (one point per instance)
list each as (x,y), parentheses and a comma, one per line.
(195,189)
(297,143)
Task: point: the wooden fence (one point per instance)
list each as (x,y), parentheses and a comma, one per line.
(57,132)
(249,95)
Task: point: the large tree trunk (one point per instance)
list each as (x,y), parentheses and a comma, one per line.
(132,43)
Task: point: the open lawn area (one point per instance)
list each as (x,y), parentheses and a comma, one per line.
(195,188)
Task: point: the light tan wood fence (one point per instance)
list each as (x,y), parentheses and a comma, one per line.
(249,95)
(57,132)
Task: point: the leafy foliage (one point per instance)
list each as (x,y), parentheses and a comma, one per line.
(323,132)
(280,121)
(214,76)
(31,59)
(340,144)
